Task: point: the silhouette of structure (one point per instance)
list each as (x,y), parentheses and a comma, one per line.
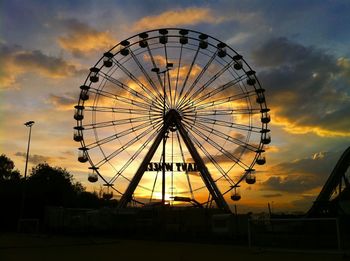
(335,191)
(185,89)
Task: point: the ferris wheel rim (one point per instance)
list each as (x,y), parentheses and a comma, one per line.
(263,106)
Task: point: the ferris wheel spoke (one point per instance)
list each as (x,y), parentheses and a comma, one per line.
(136,94)
(138,82)
(128,179)
(207,96)
(223,112)
(188,75)
(228,124)
(104,179)
(121,134)
(124,133)
(125,87)
(203,71)
(158,75)
(178,73)
(210,158)
(226,137)
(159,96)
(127,145)
(119,122)
(103,93)
(168,76)
(219,148)
(113,188)
(208,83)
(135,155)
(123,110)
(222,101)
(184,160)
(125,100)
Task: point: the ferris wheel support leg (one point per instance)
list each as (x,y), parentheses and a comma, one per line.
(207,178)
(127,196)
(173,117)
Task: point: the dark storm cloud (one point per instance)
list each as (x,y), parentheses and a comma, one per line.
(304,201)
(74,25)
(307,87)
(292,184)
(277,52)
(301,175)
(63,102)
(239,152)
(274,195)
(49,65)
(37,159)
(34,159)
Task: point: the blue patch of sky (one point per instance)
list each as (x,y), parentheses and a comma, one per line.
(320,23)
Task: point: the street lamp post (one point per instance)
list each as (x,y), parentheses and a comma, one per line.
(156,70)
(29,124)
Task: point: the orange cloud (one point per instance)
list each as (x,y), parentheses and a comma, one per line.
(7,79)
(83,39)
(179,17)
(80,43)
(17,61)
(296,128)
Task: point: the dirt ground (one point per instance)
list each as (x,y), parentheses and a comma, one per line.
(64,248)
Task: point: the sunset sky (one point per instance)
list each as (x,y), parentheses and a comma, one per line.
(299,49)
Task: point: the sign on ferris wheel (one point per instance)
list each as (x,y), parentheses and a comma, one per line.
(173,166)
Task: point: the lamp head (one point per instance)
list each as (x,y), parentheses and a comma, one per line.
(156,70)
(29,123)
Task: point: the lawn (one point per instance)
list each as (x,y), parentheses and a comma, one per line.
(64,248)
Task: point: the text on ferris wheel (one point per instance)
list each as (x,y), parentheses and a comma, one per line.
(179,166)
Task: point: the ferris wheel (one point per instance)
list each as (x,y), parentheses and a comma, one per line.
(172,115)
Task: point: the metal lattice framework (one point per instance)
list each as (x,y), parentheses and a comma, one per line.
(186,90)
(335,190)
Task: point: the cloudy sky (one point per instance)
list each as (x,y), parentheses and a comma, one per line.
(298,48)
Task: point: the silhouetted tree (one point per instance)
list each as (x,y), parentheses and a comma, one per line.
(54,186)
(45,186)
(7,171)
(88,200)
(10,193)
(50,186)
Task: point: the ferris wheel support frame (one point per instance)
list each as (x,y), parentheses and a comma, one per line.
(173,117)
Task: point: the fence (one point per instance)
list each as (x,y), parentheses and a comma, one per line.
(298,233)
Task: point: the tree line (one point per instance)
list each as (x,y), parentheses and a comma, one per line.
(45,186)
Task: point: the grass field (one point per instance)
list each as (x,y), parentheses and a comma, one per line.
(64,248)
